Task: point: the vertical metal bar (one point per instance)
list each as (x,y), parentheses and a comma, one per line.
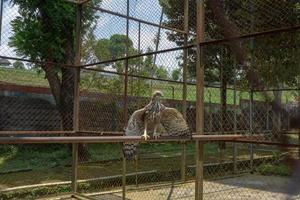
(139,38)
(185,55)
(125,99)
(77,70)
(76,96)
(268,119)
(210,112)
(184,89)
(251,92)
(156,46)
(1,16)
(139,50)
(123,177)
(299,147)
(199,100)
(286,109)
(158,36)
(74,167)
(126,68)
(235,120)
(251,128)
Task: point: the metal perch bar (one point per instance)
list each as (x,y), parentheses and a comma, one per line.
(107,139)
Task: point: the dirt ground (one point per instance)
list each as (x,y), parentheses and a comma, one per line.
(247,187)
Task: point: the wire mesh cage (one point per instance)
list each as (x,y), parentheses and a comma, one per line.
(72,73)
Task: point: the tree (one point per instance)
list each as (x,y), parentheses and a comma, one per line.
(18,65)
(45,31)
(244,17)
(115,47)
(176,74)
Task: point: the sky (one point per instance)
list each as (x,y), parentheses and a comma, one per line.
(107,25)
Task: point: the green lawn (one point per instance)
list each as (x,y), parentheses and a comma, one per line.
(91,82)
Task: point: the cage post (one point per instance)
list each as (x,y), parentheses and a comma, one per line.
(1,18)
(123,177)
(235,120)
(268,119)
(184,78)
(210,112)
(125,98)
(74,167)
(251,128)
(125,95)
(288,116)
(199,100)
(76,95)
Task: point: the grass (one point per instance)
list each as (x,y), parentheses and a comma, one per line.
(171,90)
(52,163)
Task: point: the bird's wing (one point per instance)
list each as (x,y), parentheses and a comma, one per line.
(135,127)
(174,123)
(136,123)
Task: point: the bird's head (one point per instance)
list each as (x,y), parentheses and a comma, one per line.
(156,96)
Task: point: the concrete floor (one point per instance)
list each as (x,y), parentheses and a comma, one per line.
(247,187)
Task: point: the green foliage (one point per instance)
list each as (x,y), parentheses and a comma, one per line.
(18,65)
(176,74)
(274,169)
(274,63)
(42,30)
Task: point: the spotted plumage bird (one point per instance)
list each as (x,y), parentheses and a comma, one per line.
(157,117)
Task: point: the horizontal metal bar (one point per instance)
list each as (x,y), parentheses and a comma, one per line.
(37,61)
(71,133)
(266,142)
(256,139)
(205,43)
(149,78)
(137,20)
(112,139)
(277,89)
(35,132)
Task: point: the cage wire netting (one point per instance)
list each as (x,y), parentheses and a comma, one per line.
(128,49)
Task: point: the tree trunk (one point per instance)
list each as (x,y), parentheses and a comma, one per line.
(62,89)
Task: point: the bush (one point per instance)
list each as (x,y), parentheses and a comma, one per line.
(274,169)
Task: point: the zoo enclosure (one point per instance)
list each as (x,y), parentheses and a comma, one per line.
(79,118)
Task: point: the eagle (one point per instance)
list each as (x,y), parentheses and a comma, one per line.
(154,117)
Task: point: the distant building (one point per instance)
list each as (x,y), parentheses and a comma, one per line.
(4,63)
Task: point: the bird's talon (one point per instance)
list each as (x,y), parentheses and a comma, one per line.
(145,136)
(156,135)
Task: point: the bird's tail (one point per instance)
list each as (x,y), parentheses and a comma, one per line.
(129,150)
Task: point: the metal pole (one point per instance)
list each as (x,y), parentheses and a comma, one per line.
(158,36)
(74,167)
(139,38)
(184,77)
(209,111)
(1,16)
(235,121)
(251,92)
(123,178)
(251,129)
(125,98)
(76,96)
(139,50)
(268,119)
(126,69)
(199,100)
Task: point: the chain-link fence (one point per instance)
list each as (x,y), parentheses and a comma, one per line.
(81,68)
